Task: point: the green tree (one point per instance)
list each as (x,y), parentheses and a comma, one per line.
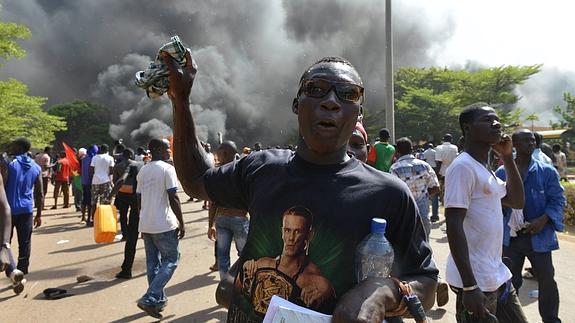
(9,33)
(87,123)
(428,100)
(566,113)
(532,117)
(21,115)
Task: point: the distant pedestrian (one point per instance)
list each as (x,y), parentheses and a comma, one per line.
(560,162)
(87,182)
(538,154)
(101,168)
(125,189)
(227,224)
(161,224)
(444,156)
(44,161)
(382,153)
(62,180)
(419,177)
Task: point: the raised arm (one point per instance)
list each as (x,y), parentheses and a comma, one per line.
(190,159)
(5,227)
(515,197)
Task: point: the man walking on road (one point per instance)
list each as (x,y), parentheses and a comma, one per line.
(473,199)
(62,180)
(23,182)
(227,224)
(125,190)
(530,232)
(161,225)
(444,156)
(419,177)
(44,161)
(101,167)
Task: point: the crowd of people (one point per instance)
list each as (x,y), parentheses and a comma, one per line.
(502,198)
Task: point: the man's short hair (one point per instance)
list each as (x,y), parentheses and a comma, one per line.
(516,133)
(156,144)
(404,145)
(469,113)
(300,211)
(556,147)
(23,143)
(128,153)
(538,139)
(384,134)
(328,59)
(229,144)
(47,149)
(103,148)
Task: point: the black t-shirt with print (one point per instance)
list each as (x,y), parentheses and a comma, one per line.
(329,207)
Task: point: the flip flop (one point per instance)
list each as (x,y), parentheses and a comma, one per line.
(55,293)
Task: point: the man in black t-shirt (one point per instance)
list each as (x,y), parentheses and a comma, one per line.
(125,192)
(342,193)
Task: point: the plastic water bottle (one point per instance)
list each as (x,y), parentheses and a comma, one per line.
(374,255)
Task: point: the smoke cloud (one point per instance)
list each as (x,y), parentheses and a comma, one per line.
(250,55)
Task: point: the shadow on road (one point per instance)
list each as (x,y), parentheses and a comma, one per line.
(50,229)
(195,282)
(88,287)
(83,248)
(215,312)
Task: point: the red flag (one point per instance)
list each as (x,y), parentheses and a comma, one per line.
(72,160)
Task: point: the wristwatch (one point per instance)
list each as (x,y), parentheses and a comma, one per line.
(5,245)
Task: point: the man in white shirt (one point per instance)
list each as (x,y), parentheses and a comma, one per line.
(473,199)
(101,168)
(161,225)
(444,156)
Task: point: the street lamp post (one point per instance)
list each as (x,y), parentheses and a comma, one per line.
(389,109)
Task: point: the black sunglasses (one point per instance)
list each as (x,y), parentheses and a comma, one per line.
(318,88)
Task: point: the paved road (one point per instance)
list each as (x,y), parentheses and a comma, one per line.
(63,249)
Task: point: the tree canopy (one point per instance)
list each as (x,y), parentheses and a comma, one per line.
(87,123)
(566,113)
(428,100)
(21,115)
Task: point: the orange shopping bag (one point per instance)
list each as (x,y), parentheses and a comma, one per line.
(105,223)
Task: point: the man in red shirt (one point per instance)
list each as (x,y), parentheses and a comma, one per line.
(62,179)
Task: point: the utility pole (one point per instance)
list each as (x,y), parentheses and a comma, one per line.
(389,101)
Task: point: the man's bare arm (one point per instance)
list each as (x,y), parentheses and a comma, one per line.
(177,209)
(5,227)
(190,159)
(458,244)
(374,296)
(38,200)
(5,217)
(515,197)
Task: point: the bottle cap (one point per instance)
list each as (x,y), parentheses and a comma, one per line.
(378,225)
